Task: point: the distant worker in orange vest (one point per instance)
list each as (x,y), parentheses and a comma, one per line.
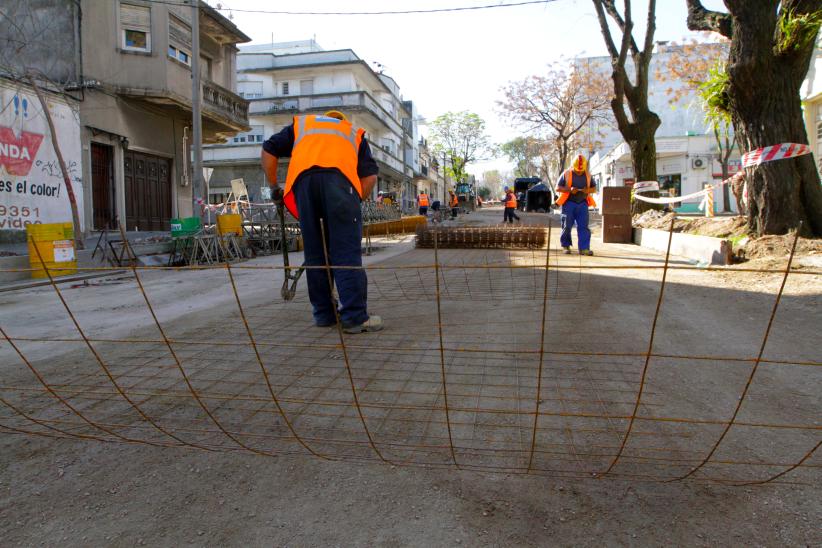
(510,202)
(330,172)
(453,203)
(422,202)
(575,188)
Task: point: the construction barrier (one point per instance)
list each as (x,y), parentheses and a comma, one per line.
(230,223)
(404,225)
(51,245)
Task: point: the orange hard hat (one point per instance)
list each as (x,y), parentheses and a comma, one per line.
(580,164)
(336,114)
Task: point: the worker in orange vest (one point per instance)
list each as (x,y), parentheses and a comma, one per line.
(330,172)
(422,202)
(453,203)
(575,189)
(510,202)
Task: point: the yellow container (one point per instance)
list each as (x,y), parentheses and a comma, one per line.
(55,244)
(230,223)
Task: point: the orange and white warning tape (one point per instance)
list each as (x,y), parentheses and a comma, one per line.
(773,153)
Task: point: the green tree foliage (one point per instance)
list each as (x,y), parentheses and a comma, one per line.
(461,138)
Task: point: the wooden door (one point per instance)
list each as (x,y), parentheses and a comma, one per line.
(148,191)
(102,187)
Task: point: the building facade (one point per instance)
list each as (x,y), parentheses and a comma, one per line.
(812,103)
(281,80)
(128,64)
(684,165)
(687,153)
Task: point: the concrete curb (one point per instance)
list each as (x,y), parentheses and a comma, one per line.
(29,283)
(703,249)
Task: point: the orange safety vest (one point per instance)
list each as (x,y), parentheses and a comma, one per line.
(454,202)
(321,141)
(564,194)
(423,198)
(510,200)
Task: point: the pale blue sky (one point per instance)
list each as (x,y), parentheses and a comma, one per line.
(454,61)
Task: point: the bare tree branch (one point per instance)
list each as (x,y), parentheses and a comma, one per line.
(700,18)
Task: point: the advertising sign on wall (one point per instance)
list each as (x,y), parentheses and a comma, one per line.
(32,189)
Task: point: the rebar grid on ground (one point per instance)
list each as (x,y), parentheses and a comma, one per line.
(480,369)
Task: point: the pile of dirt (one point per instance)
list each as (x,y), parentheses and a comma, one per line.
(717,227)
(768,247)
(766,251)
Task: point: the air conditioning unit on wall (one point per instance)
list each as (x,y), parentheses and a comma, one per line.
(698,163)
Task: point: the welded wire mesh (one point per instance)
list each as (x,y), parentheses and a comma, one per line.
(499,360)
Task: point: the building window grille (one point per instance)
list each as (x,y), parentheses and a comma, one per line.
(285,88)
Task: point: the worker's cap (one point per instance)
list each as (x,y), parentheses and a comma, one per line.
(380,192)
(336,114)
(580,164)
(507,189)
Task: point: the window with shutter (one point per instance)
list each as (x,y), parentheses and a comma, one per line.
(179,40)
(285,88)
(179,32)
(135,27)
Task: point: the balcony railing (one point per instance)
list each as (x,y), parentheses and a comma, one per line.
(304,103)
(381,156)
(225,102)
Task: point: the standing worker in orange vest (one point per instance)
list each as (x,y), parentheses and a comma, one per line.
(422,202)
(575,189)
(330,172)
(510,201)
(453,203)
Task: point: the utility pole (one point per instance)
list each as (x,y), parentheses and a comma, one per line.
(444,178)
(197,186)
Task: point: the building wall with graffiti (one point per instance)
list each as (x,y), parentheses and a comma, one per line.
(32,189)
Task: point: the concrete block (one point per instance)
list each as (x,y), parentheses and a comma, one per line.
(703,249)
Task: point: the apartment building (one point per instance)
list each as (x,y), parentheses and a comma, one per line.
(281,80)
(137,111)
(128,65)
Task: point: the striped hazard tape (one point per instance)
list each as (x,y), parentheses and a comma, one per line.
(773,153)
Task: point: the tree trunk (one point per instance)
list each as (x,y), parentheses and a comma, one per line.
(767,110)
(79,237)
(643,158)
(782,193)
(726,189)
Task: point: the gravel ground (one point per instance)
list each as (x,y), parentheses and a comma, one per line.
(69,492)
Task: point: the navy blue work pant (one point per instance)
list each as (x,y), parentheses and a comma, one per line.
(575,212)
(328,195)
(509,215)
(423,210)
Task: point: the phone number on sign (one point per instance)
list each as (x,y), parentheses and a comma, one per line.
(17,217)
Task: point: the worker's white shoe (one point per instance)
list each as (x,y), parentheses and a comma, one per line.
(566,250)
(373,323)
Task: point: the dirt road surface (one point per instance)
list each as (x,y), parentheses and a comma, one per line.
(254,484)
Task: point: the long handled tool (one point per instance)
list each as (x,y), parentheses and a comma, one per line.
(291,277)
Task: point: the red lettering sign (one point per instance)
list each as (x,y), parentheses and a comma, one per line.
(17,153)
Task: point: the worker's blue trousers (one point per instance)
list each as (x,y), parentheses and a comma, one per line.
(327,195)
(573,212)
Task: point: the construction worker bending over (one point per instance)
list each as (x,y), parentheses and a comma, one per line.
(422,203)
(330,171)
(510,202)
(575,189)
(453,203)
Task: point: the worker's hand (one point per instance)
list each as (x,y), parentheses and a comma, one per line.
(277,194)
(574,190)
